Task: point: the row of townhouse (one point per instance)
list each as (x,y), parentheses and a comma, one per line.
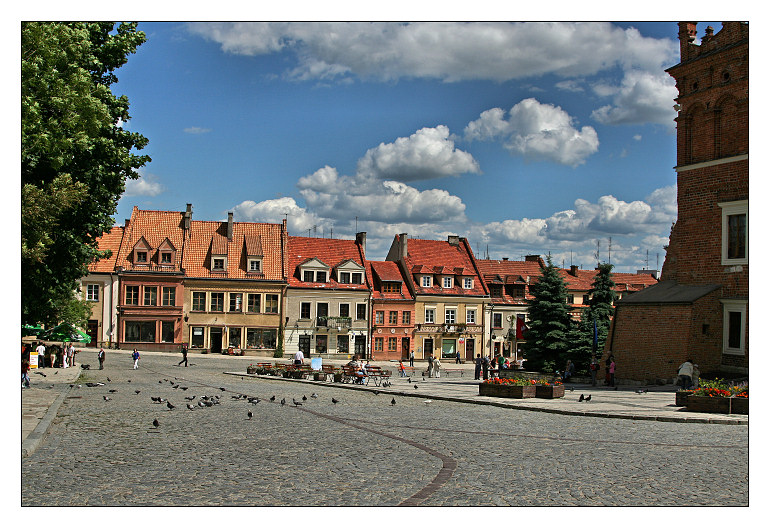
(250,286)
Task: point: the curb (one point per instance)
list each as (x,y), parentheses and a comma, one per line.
(593,414)
(30,444)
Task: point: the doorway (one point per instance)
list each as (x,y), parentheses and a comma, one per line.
(215,340)
(427,348)
(93,332)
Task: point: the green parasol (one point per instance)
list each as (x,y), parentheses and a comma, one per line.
(65,332)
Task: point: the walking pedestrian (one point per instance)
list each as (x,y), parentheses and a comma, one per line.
(299,357)
(477,372)
(593,368)
(436,367)
(485,367)
(100,357)
(25,373)
(457,357)
(40,355)
(430,365)
(53,356)
(65,362)
(612,370)
(135,356)
(184,355)
(411,358)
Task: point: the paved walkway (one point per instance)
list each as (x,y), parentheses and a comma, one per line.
(50,386)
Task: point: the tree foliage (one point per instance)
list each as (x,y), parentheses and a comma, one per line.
(600,309)
(75,156)
(549,321)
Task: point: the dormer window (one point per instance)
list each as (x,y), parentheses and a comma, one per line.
(165,257)
(468,283)
(141,257)
(426,281)
(447,282)
(218,263)
(496,290)
(344,277)
(320,276)
(391,287)
(255,266)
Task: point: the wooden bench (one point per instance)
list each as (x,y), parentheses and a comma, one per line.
(351,374)
(448,370)
(376,374)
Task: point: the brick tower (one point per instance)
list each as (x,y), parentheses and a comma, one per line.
(699,310)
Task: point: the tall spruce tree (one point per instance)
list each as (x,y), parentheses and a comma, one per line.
(75,155)
(600,309)
(549,321)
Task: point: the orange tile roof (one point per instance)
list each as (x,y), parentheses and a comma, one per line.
(331,252)
(427,256)
(506,272)
(108,241)
(209,237)
(386,271)
(155,227)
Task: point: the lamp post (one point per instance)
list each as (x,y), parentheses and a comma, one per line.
(491,327)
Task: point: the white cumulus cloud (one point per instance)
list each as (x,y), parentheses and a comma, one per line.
(146,185)
(536,131)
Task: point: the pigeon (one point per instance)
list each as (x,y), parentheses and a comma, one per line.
(106,398)
(409,380)
(160,381)
(113,390)
(86,367)
(423,378)
(393,401)
(376,393)
(208,403)
(41,374)
(191,407)
(170,406)
(582,397)
(335,402)
(296,403)
(55,371)
(588,398)
(254,401)
(314,395)
(572,389)
(428,401)
(201,404)
(249,414)
(128,381)
(304,398)
(272,398)
(155,422)
(155,399)
(415,386)
(222,389)
(641,391)
(189,398)
(72,385)
(108,379)
(175,386)
(137,391)
(184,388)
(283,401)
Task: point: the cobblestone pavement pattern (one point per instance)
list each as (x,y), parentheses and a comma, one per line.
(360,451)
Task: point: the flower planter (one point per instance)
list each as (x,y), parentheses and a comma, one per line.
(319,376)
(251,370)
(549,391)
(507,373)
(708,404)
(338,377)
(681,398)
(506,391)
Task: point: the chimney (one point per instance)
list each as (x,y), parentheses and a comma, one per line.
(230,226)
(453,240)
(532,258)
(361,240)
(573,270)
(402,248)
(505,259)
(687,32)
(188,219)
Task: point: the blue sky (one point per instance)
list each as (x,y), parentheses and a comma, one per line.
(525,137)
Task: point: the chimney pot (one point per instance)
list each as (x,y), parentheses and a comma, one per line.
(230,226)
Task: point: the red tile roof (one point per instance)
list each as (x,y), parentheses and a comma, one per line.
(207,238)
(154,227)
(441,257)
(506,272)
(386,271)
(623,281)
(331,252)
(108,241)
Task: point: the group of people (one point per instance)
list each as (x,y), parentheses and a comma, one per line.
(360,368)
(47,357)
(485,363)
(688,375)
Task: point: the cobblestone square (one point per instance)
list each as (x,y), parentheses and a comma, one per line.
(361,451)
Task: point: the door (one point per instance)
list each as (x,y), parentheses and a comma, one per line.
(359,346)
(322,314)
(304,345)
(427,349)
(405,348)
(215,340)
(470,345)
(93,332)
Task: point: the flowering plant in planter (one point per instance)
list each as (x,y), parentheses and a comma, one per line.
(521,382)
(718,388)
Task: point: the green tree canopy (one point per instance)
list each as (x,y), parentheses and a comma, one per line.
(549,320)
(600,309)
(75,155)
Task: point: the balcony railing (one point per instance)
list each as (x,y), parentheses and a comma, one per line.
(333,322)
(457,328)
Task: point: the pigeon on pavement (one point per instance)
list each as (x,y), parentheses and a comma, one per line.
(155,422)
(393,401)
(191,407)
(588,398)
(582,397)
(249,414)
(170,406)
(334,401)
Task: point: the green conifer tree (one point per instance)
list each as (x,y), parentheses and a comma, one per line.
(549,321)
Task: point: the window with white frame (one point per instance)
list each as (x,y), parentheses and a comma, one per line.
(735,232)
(430,315)
(217,263)
(426,281)
(92,292)
(255,266)
(734,326)
(450,316)
(468,283)
(447,282)
(304,310)
(470,316)
(356,278)
(344,277)
(360,312)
